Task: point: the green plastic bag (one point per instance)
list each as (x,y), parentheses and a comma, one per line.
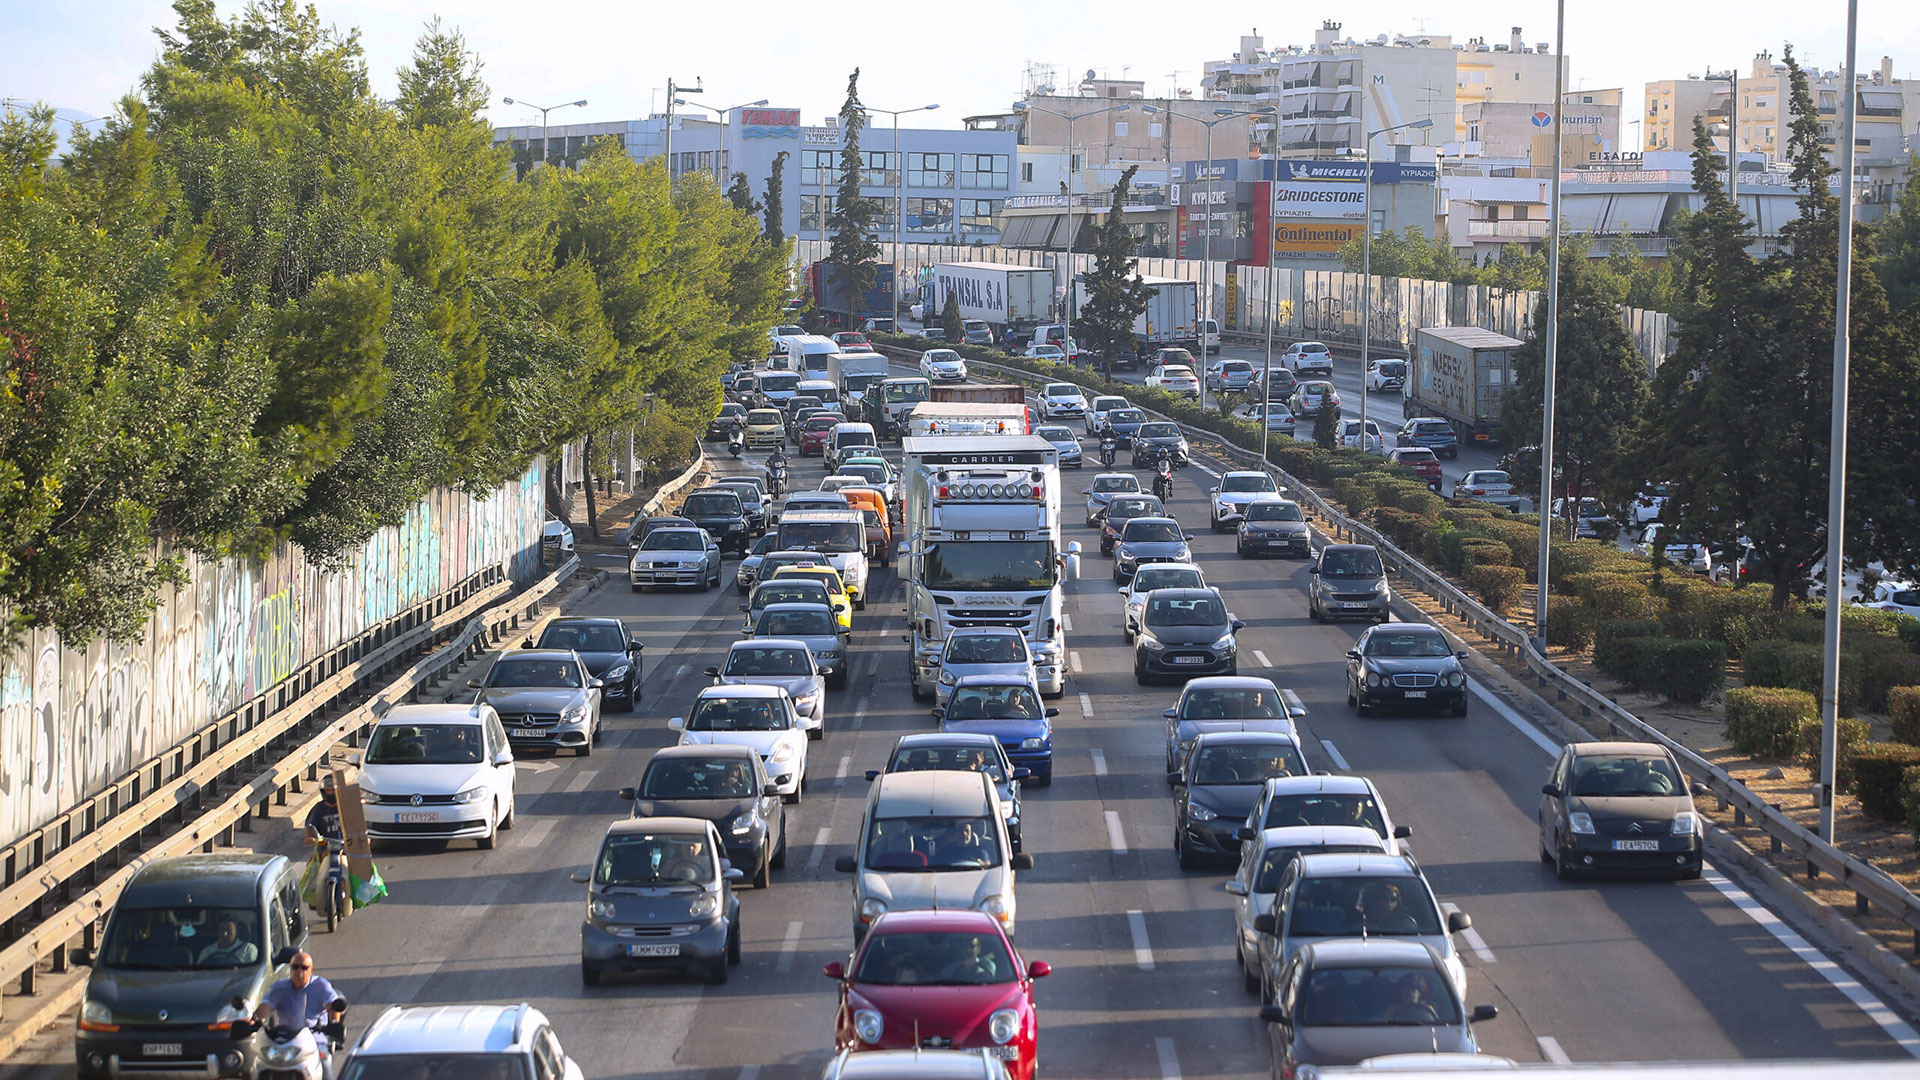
(310,877)
(368,890)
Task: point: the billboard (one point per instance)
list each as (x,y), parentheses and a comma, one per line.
(1319,200)
(1312,239)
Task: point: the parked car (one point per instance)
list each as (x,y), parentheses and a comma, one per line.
(675,556)
(656,874)
(1006,706)
(1408,665)
(1591,518)
(545,699)
(1309,356)
(610,651)
(1273,526)
(1215,786)
(1160,575)
(1106,487)
(1185,632)
(1432,433)
(787,663)
(1349,580)
(1619,807)
(758,716)
(1234,493)
(726,785)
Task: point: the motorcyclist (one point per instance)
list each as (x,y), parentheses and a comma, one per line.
(304,999)
(1163,473)
(323,821)
(1109,442)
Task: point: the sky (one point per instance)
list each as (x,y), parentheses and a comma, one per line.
(968,59)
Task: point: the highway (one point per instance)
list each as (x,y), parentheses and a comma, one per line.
(1144,983)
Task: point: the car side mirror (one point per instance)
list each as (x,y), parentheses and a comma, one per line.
(1458,921)
(1051,713)
(1187,535)
(1485,1012)
(285,956)
(678,723)
(473,684)
(80,957)
(354,759)
(844,864)
(712,671)
(1264,924)
(504,757)
(1273,1014)
(835,970)
(1022,861)
(742,607)
(1213,491)
(939,713)
(637,646)
(579,877)
(1236,887)
(1174,776)
(1039,969)
(839,607)
(1401,832)
(1168,713)
(527,644)
(1021,773)
(1461,655)
(1353,654)
(1238,625)
(596,684)
(628,793)
(1313,570)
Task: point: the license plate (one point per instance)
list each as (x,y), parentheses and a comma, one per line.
(1349,604)
(1189,659)
(1416,693)
(653,950)
(1006,1053)
(516,733)
(160,1049)
(1279,543)
(1636,845)
(415,819)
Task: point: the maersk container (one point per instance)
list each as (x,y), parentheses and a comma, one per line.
(1460,373)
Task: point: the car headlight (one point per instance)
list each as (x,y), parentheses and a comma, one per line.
(1373,678)
(1456,678)
(704,905)
(744,824)
(474,794)
(1196,812)
(867,1025)
(1181,553)
(1035,743)
(1580,822)
(872,908)
(1685,823)
(1225,642)
(598,908)
(783,752)
(1150,644)
(826,655)
(1380,587)
(369,796)
(229,1013)
(95,1016)
(1003,1025)
(1124,551)
(995,905)
(617,671)
(947,678)
(805,704)
(573,714)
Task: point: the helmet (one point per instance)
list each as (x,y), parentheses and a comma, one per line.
(326,783)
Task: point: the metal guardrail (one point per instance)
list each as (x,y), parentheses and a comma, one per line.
(1869,884)
(80,916)
(667,491)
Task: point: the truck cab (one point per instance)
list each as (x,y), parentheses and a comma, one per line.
(887,405)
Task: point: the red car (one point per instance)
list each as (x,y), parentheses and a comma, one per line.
(950,975)
(851,339)
(813,433)
(1422,461)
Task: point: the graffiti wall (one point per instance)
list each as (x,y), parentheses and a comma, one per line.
(73,721)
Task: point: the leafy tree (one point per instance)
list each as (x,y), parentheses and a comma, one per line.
(950,321)
(442,87)
(776,200)
(852,246)
(1116,294)
(1898,239)
(1326,425)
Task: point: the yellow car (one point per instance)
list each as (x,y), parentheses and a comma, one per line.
(842,606)
(766,427)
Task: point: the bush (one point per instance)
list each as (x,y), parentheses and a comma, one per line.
(1777,662)
(1677,669)
(1609,642)
(1851,735)
(1764,721)
(1296,461)
(1903,713)
(1910,798)
(1879,776)
(1623,598)
(1402,527)
(1353,493)
(1569,623)
(1415,497)
(1498,586)
(1882,664)
(1475,551)
(1522,539)
(1568,557)
(1736,616)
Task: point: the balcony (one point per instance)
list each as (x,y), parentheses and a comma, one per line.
(1876,110)
(1508,230)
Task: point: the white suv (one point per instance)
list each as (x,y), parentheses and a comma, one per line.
(1307,356)
(437,772)
(450,1040)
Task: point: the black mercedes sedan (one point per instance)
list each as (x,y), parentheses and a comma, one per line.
(606,647)
(1408,665)
(1216,786)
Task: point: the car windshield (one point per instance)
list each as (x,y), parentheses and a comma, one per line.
(751,660)
(951,758)
(436,1066)
(936,959)
(943,356)
(1407,644)
(1056,434)
(1159,431)
(1245,763)
(698,778)
(1126,416)
(932,843)
(425,744)
(780,560)
(764,417)
(859,384)
(999,564)
(900,393)
(1104,404)
(673,540)
(834,536)
(794,624)
(584,637)
(985,649)
(1376,997)
(1489,477)
(183,938)
(1062,390)
(1432,427)
(733,408)
(1249,703)
(535,672)
(1185,611)
(1625,776)
(1325,808)
(789,591)
(821,423)
(1353,905)
(737,714)
(711,504)
(1276,860)
(649,859)
(1147,531)
(871,517)
(1258,482)
(786,382)
(1351,562)
(1274,511)
(994,703)
(1149,578)
(875,473)
(1108,484)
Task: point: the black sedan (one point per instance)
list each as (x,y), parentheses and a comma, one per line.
(725,785)
(1125,422)
(1409,665)
(732,415)
(1273,527)
(723,513)
(1122,509)
(1185,632)
(658,521)
(1620,807)
(1151,438)
(1215,788)
(606,647)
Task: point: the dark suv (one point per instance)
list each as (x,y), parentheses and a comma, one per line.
(722,513)
(1431,432)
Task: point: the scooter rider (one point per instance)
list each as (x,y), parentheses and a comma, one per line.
(305,999)
(323,821)
(1109,443)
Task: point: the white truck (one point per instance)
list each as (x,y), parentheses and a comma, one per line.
(1172,317)
(981,545)
(967,418)
(840,535)
(1002,295)
(855,373)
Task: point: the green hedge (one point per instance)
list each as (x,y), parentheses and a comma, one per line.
(1476,551)
(1678,669)
(1568,557)
(1779,662)
(1764,721)
(1903,713)
(1610,649)
(1623,597)
(1498,586)
(1404,528)
(1850,735)
(1569,623)
(1879,775)
(1910,799)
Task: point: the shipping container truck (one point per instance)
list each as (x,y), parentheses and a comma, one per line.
(993,393)
(1002,295)
(1172,317)
(855,373)
(840,306)
(1459,374)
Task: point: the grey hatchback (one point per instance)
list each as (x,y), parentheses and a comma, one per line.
(1342,1002)
(660,896)
(1349,581)
(1185,632)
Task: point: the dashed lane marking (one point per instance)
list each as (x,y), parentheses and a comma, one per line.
(1116,838)
(1066,622)
(1334,753)
(1142,951)
(1206,470)
(859,713)
(1472,937)
(840,774)
(819,848)
(1262,657)
(1099,762)
(1073,657)
(1550,1049)
(1169,1064)
(1086,706)
(787,947)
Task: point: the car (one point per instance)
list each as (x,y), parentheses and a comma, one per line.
(1387,373)
(967,752)
(1347,433)
(1175,356)
(676,556)
(788,590)
(933,839)
(1210,336)
(1485,485)
(754,499)
(1348,581)
(726,785)
(1619,807)
(1368,895)
(1420,461)
(1409,665)
(1215,786)
(1273,526)
(934,333)
(1341,1002)
(556,535)
(1229,376)
(814,431)
(1277,415)
(1281,383)
(1064,441)
(814,500)
(942,365)
(878,471)
(1007,707)
(657,521)
(1892,594)
(872,504)
(1324,799)
(1154,436)
(1313,395)
(1053,334)
(1649,505)
(1234,492)
(1228,703)
(977,331)
(940,978)
(814,624)
(1305,356)
(758,716)
(1691,556)
(1125,422)
(981,650)
(438,772)
(1591,518)
(722,512)
(1264,859)
(731,415)
(611,653)
(787,663)
(852,341)
(468,1040)
(1160,575)
(850,439)
(766,427)
(1185,632)
(755,564)
(1122,509)
(1432,433)
(836,587)
(1051,353)
(659,895)
(1062,401)
(916,1064)
(1174,379)
(1098,409)
(1106,487)
(877,326)
(545,698)
(1149,540)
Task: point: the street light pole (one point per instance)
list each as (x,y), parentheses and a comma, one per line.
(674,91)
(1366,269)
(1066,272)
(1272,295)
(545,153)
(1550,366)
(899,204)
(1732,79)
(719,159)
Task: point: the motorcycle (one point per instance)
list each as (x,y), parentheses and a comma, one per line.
(736,441)
(333,892)
(1109,447)
(777,476)
(1163,475)
(293,1052)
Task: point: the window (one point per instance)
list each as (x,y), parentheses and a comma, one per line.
(984,170)
(1119,129)
(877,169)
(811,209)
(930,170)
(929,215)
(815,163)
(1155,130)
(1026,172)
(980,215)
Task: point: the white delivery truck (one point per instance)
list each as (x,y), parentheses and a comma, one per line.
(967,418)
(1172,318)
(1002,295)
(855,373)
(807,354)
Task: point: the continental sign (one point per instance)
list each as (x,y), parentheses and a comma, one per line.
(1322,238)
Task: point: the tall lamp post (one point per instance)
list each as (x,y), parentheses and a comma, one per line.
(1550,363)
(1066,272)
(1366,269)
(719,159)
(545,154)
(674,90)
(899,204)
(1732,79)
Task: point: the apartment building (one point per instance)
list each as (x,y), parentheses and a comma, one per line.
(1887,110)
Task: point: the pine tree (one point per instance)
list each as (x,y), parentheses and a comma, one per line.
(1326,425)
(741,195)
(950,322)
(1116,295)
(775,231)
(853,247)
(1898,239)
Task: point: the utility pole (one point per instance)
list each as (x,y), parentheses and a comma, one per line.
(674,90)
(1550,367)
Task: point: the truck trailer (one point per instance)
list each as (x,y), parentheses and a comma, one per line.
(1172,318)
(1459,374)
(1002,295)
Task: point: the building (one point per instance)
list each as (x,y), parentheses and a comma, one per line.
(1523,131)
(1887,110)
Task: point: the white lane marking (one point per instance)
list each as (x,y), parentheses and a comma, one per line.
(1169,1064)
(1550,1049)
(1086,706)
(1066,622)
(1472,937)
(840,774)
(819,848)
(1116,838)
(1142,952)
(1897,1029)
(578,781)
(535,837)
(1073,657)
(1262,657)
(1099,762)
(1519,723)
(679,671)
(792,942)
(1334,753)
(859,713)
(537,766)
(1206,470)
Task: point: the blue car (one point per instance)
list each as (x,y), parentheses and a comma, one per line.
(1432,433)
(1007,707)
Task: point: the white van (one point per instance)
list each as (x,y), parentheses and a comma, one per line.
(843,435)
(840,535)
(807,354)
(824,389)
(935,838)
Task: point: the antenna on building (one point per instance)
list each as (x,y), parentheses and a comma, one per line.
(1173,84)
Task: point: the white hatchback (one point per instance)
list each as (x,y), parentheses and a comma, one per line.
(461,1040)
(942,365)
(1062,401)
(437,772)
(762,717)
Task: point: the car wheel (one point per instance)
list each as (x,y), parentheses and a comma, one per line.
(744,590)
(1460,709)
(762,879)
(507,822)
(1043,780)
(860,602)
(779,860)
(487,842)
(1249,981)
(1361,706)
(799,792)
(1689,874)
(589,975)
(1140,674)
(1545,855)
(585,749)
(1352,698)
(1217,530)
(1319,614)
(717,974)
(733,944)
(637,587)
(837,680)
(1116,574)
(600,732)
(1561,868)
